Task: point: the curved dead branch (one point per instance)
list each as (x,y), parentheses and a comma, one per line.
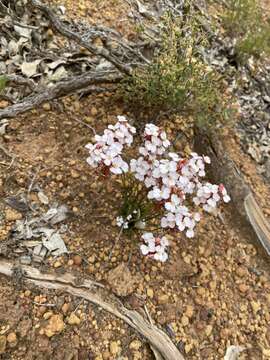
(20,80)
(92,292)
(64,30)
(121,57)
(62,88)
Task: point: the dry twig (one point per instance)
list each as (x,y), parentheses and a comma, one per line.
(88,290)
(64,30)
(62,88)
(20,80)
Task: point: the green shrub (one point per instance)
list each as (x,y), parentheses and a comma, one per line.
(135,203)
(178,80)
(243,20)
(3,82)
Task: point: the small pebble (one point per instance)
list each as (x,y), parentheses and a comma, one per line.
(135,345)
(185,320)
(57,264)
(208,330)
(77,259)
(243,288)
(12,215)
(73,319)
(46,106)
(163,299)
(65,307)
(47,315)
(189,311)
(150,293)
(3,344)
(256,306)
(114,348)
(12,337)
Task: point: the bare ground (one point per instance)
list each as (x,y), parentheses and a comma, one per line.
(213,292)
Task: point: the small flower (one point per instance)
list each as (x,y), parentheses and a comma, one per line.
(154,194)
(207,159)
(160,254)
(121,222)
(154,247)
(226,198)
(190,233)
(118,166)
(197,217)
(224,194)
(109,146)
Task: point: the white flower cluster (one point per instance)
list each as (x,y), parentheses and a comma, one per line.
(155,142)
(107,150)
(171,179)
(121,222)
(208,195)
(155,247)
(124,222)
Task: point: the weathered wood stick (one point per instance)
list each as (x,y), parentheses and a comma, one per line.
(60,89)
(92,291)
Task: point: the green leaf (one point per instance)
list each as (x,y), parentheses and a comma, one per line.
(3,82)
